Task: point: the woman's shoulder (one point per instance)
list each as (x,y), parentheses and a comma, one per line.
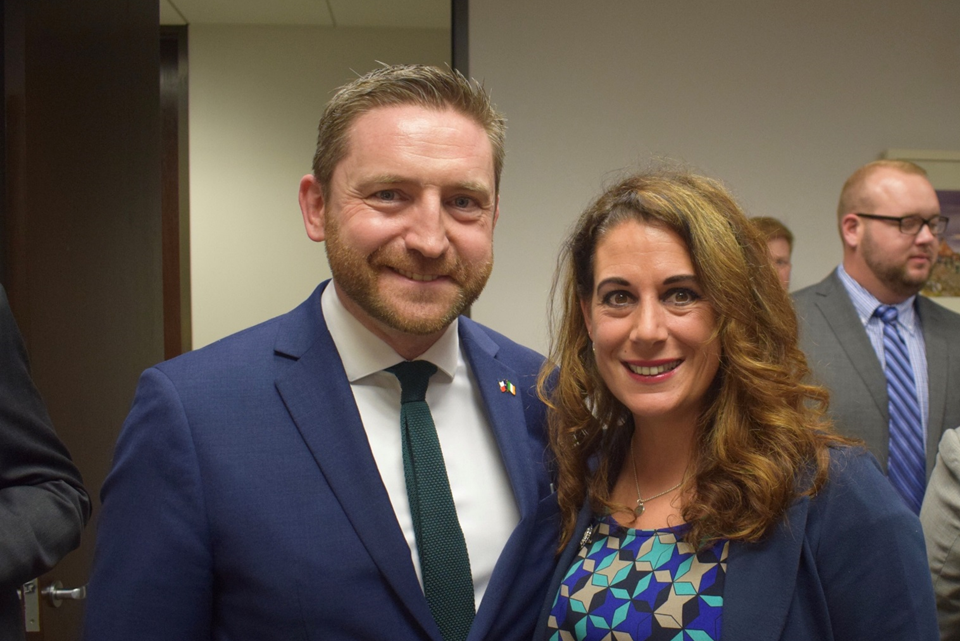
(853,463)
(857,494)
(869,551)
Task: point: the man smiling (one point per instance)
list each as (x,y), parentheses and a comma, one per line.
(292,481)
(408,218)
(889,357)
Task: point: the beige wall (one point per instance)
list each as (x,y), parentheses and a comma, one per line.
(780,100)
(256,94)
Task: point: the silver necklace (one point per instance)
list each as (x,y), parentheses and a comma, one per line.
(641,502)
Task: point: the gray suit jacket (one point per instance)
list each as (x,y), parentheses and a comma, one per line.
(843,361)
(940,517)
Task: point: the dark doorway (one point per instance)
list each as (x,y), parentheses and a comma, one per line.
(81,245)
(175,190)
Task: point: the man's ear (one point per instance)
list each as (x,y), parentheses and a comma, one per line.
(851,230)
(312,207)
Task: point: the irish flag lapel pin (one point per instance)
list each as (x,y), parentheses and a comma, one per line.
(507,386)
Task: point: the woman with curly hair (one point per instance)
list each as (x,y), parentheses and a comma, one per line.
(702,493)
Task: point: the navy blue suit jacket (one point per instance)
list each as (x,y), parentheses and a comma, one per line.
(245,503)
(846,565)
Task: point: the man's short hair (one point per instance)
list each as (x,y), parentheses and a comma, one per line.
(771,229)
(397,85)
(852,197)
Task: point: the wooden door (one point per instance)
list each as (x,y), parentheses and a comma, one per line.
(81,244)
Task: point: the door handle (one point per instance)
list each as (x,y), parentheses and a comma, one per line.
(30,598)
(56,595)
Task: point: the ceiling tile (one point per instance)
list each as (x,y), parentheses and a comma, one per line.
(169,15)
(273,12)
(425,14)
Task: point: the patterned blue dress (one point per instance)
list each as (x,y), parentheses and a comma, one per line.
(640,585)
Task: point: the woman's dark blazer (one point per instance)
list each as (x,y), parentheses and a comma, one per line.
(845,565)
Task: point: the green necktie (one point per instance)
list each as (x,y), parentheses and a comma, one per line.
(444,562)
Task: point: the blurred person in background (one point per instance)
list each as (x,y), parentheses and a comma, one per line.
(779,245)
(889,357)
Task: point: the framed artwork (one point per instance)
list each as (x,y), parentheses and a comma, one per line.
(943,169)
(945,279)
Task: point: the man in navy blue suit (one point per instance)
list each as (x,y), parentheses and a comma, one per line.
(258,488)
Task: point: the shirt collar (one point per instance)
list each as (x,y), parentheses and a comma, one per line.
(866,303)
(363,353)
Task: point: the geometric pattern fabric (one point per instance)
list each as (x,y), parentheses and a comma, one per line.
(639,585)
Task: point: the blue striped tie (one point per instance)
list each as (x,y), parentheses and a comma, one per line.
(906,465)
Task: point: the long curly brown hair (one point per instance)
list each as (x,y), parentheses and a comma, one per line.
(762,439)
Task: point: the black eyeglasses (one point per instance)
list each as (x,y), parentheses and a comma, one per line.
(913,224)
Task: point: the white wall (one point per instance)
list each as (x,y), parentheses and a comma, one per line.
(256,94)
(782,101)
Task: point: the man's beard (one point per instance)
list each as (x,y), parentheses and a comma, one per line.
(893,274)
(358,277)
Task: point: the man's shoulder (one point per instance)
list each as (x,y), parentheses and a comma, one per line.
(508,350)
(932,312)
(825,287)
(246,342)
(242,361)
(823,304)
(857,489)
(290,333)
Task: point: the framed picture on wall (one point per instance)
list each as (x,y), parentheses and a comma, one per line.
(943,169)
(945,279)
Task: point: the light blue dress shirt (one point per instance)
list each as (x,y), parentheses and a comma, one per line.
(908,323)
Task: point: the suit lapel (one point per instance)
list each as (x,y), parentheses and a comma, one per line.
(564,561)
(506,416)
(761,579)
(937,351)
(504,411)
(318,397)
(835,305)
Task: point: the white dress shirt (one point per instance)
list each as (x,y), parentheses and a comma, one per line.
(486,506)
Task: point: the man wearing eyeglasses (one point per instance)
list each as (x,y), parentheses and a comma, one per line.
(890,358)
